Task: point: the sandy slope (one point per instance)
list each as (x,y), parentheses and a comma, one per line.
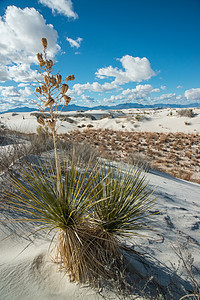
(32,275)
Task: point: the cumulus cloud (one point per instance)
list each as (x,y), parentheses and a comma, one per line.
(4,74)
(136,69)
(26,92)
(141,92)
(12,91)
(11,96)
(74,43)
(179,87)
(167,96)
(163,87)
(78,88)
(193,94)
(21,32)
(170,98)
(87,98)
(22,72)
(23,84)
(63,7)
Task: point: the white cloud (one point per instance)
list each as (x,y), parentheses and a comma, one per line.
(141,92)
(163,87)
(11,96)
(21,33)
(74,43)
(179,87)
(87,98)
(166,96)
(22,72)
(10,91)
(78,88)
(23,84)
(4,74)
(26,92)
(63,7)
(170,98)
(136,70)
(193,94)
(155,90)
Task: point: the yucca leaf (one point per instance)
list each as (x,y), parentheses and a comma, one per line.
(127,200)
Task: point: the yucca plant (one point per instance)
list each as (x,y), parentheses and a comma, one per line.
(90,209)
(38,203)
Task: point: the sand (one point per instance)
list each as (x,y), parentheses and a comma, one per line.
(163,120)
(31,274)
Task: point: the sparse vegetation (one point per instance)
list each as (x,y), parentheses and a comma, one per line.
(172,153)
(185,113)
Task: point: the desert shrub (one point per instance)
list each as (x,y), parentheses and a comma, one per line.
(185,113)
(12,153)
(184,254)
(93,208)
(140,117)
(14,145)
(140,160)
(41,142)
(82,152)
(89,125)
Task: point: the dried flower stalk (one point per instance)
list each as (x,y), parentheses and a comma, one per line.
(51,93)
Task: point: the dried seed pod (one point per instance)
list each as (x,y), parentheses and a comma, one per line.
(70,77)
(64,88)
(38,90)
(51,124)
(55,83)
(58,78)
(41,121)
(67,99)
(52,80)
(49,102)
(46,79)
(44,42)
(44,88)
(39,57)
(42,63)
(49,63)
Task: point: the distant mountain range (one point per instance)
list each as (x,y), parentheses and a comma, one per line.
(74,107)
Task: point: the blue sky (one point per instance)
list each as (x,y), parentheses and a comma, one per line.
(144,51)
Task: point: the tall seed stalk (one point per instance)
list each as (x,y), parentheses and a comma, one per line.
(51,91)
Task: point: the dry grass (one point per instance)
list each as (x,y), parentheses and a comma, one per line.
(185,113)
(15,145)
(175,153)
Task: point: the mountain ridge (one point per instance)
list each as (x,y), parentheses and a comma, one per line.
(74,107)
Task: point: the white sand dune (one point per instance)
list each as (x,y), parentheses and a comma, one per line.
(163,120)
(32,275)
